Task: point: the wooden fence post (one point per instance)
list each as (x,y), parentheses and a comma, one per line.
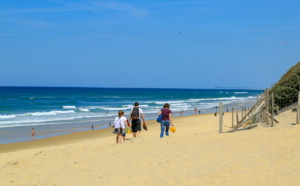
(242,111)
(221,118)
(298,112)
(267,105)
(272,111)
(237,116)
(232,117)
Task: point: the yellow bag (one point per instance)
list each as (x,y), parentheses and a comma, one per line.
(172,129)
(128,130)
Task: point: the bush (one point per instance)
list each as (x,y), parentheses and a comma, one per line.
(285,92)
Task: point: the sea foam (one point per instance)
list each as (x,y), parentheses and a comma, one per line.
(7,116)
(69,107)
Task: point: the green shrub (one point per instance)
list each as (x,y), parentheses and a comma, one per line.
(285,92)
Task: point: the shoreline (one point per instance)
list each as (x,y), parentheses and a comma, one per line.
(23,133)
(70,137)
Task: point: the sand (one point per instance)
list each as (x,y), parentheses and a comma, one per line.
(196,154)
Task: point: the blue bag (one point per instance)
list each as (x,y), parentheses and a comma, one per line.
(159,118)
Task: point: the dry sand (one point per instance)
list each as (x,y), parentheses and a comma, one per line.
(196,154)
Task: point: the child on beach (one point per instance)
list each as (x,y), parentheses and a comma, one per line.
(119,126)
(127,128)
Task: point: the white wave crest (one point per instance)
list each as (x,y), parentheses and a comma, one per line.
(127,106)
(215,99)
(28,119)
(117,108)
(54,112)
(143,106)
(7,116)
(69,107)
(94,107)
(170,102)
(131,106)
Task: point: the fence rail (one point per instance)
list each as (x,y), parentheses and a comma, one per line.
(263,111)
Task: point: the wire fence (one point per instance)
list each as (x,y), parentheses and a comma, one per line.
(284,95)
(269,104)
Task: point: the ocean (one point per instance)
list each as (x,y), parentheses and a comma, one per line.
(60,110)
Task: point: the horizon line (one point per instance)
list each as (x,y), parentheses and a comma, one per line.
(229,88)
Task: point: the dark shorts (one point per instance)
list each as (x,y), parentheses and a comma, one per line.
(136,125)
(119,131)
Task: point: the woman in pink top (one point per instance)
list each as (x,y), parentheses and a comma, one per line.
(166,120)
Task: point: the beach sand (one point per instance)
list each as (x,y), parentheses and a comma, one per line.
(196,154)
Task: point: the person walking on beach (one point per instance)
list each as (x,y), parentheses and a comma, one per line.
(119,126)
(32,132)
(136,114)
(166,120)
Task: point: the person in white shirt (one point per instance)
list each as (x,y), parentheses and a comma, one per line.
(136,114)
(119,125)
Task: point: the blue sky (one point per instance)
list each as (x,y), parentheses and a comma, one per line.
(155,44)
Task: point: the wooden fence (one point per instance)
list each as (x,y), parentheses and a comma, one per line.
(261,112)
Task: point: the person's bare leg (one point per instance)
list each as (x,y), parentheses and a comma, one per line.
(138,133)
(120,138)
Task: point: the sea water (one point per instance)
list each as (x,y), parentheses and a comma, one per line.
(59,110)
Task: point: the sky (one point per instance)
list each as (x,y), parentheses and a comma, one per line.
(148,44)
